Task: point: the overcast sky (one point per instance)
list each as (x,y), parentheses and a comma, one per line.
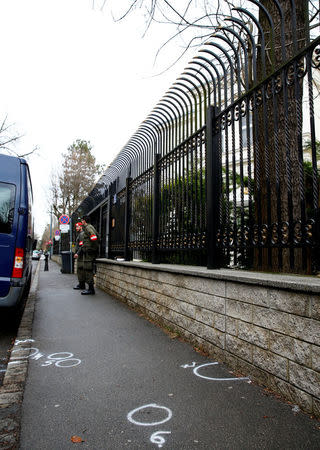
(68,72)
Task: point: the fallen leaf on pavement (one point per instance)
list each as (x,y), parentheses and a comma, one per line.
(76,439)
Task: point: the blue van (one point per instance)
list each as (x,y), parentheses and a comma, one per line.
(16,231)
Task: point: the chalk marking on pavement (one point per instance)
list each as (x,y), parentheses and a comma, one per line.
(186,366)
(147,424)
(24,341)
(157,439)
(36,350)
(60,359)
(195,371)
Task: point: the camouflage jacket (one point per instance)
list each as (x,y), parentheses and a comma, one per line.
(90,240)
(79,243)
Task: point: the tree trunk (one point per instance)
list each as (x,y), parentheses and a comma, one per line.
(277,127)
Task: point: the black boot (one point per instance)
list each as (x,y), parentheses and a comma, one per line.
(89,291)
(80,286)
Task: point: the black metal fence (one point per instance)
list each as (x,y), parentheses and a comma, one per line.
(224,172)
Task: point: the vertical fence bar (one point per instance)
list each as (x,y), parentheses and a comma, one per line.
(213,189)
(127,221)
(155,210)
(108,231)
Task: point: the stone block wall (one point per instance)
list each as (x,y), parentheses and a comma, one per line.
(265,326)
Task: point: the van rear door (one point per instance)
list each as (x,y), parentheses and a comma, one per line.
(7,235)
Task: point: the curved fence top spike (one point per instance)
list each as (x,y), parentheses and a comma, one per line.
(113,166)
(253,43)
(198,72)
(141,143)
(146,143)
(131,152)
(176,85)
(174,103)
(145,136)
(200,64)
(182,78)
(133,144)
(229,42)
(225,73)
(158,122)
(224,51)
(135,150)
(179,83)
(155,120)
(216,81)
(166,100)
(121,157)
(269,18)
(122,163)
(142,132)
(160,108)
(262,37)
(205,91)
(167,104)
(167,109)
(149,130)
(160,119)
(173,94)
(154,126)
(164,114)
(112,172)
(166,120)
(172,91)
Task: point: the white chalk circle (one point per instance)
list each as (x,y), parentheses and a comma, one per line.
(195,371)
(149,424)
(60,355)
(64,361)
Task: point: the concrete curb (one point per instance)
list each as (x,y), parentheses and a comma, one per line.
(11,392)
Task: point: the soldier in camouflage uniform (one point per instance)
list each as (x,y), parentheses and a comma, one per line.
(89,252)
(77,255)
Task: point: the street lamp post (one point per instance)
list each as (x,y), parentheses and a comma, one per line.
(51,246)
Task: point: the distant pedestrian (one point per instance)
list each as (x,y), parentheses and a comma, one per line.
(80,266)
(89,252)
(46,264)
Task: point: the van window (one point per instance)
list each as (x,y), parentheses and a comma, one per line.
(7,196)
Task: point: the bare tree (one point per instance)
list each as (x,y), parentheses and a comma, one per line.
(8,139)
(76,180)
(194,21)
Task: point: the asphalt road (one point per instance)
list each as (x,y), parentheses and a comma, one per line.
(102,374)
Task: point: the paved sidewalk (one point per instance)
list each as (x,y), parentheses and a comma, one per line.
(12,389)
(102,375)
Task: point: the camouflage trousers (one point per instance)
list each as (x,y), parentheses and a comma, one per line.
(85,269)
(80,271)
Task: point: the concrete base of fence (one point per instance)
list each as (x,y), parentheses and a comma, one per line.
(265,326)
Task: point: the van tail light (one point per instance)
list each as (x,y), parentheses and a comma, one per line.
(17,270)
